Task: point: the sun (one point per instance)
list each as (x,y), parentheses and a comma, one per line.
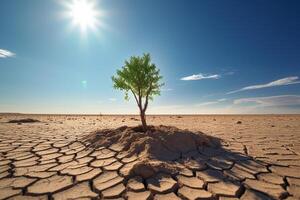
(84,14)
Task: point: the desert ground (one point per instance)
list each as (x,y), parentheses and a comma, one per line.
(259,158)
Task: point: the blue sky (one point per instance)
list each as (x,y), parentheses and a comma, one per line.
(218,57)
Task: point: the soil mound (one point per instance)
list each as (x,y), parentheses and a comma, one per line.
(27,120)
(158,149)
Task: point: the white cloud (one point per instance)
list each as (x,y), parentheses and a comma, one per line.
(5,53)
(211,102)
(166,89)
(281,100)
(200,76)
(193,109)
(112,99)
(207,103)
(284,81)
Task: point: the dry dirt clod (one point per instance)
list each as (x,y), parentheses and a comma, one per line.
(156,150)
(20,121)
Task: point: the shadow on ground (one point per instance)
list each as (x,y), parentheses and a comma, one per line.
(189,165)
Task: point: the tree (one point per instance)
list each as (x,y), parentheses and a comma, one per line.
(140,77)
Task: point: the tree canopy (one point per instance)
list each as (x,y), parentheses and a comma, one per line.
(141,77)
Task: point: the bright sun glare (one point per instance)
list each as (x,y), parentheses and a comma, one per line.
(84,13)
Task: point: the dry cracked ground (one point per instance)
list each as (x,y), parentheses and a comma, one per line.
(259,159)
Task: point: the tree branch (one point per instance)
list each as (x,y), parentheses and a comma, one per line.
(135,97)
(147,97)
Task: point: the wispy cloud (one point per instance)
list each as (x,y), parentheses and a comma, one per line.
(5,53)
(284,81)
(200,76)
(166,89)
(112,99)
(281,100)
(211,102)
(284,104)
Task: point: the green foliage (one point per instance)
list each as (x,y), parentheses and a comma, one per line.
(140,77)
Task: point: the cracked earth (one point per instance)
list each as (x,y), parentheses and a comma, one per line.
(259,159)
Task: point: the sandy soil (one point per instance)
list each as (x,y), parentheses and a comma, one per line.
(259,159)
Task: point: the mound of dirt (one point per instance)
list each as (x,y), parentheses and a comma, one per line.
(159,149)
(27,120)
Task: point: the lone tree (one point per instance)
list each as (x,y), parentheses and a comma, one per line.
(140,77)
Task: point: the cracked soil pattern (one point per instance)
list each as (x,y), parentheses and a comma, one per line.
(259,159)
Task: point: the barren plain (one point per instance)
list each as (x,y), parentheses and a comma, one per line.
(259,158)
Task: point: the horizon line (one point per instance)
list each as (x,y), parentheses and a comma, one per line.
(128,114)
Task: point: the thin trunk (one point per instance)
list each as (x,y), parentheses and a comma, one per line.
(143,119)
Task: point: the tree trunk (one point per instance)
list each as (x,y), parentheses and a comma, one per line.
(143,119)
